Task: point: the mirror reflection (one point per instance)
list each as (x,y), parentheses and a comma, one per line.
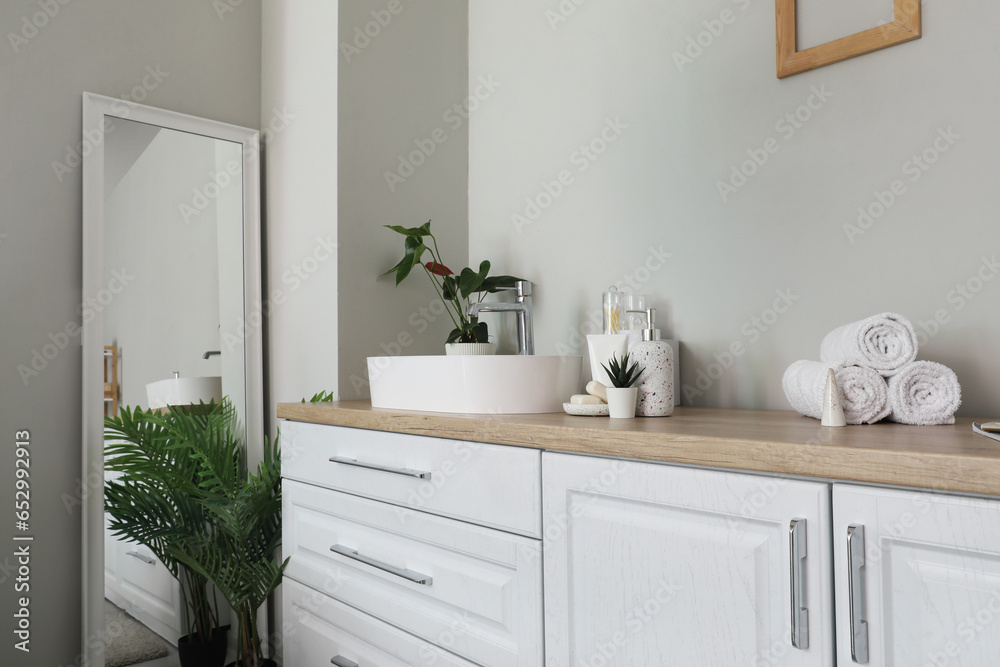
(173,259)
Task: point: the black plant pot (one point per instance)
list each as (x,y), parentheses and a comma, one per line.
(267,662)
(204,654)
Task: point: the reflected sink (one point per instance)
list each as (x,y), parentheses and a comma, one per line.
(183,391)
(474,385)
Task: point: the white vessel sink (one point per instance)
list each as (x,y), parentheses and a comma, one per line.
(474,385)
(183,391)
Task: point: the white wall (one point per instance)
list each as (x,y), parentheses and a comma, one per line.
(169,314)
(398,90)
(682,125)
(206,65)
(299,123)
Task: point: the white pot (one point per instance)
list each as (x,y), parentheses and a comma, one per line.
(622,402)
(470,349)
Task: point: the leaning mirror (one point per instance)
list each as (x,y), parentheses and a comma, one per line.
(171,267)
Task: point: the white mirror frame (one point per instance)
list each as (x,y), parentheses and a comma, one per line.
(95,109)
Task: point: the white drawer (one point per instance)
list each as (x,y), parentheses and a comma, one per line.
(491,485)
(319,629)
(482,596)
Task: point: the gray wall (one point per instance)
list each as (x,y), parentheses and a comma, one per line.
(208,66)
(397,93)
(686,116)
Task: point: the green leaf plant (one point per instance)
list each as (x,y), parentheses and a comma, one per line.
(456,290)
(622,375)
(187,492)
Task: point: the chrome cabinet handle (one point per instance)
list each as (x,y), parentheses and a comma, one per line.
(797,554)
(144,559)
(406,472)
(341,661)
(855,595)
(409,575)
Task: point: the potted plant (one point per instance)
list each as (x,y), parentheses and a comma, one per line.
(244,512)
(622,395)
(147,505)
(456,290)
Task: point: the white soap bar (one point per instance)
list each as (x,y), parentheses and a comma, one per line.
(585,399)
(991,427)
(595,388)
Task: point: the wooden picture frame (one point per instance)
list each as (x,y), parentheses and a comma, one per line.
(905,26)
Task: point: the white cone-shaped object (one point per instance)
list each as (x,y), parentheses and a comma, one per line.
(833,411)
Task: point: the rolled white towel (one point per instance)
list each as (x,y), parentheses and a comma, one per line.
(924,393)
(885,342)
(863,392)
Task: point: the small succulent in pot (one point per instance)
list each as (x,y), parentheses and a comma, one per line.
(622,395)
(622,375)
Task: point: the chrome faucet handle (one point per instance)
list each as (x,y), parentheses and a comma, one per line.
(522,287)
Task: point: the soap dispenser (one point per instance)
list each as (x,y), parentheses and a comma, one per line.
(656,384)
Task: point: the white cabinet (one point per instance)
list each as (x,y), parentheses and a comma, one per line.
(924,578)
(412,550)
(136,581)
(473,590)
(649,565)
(395,556)
(327,632)
(489,485)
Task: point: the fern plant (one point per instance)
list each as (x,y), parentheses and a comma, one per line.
(622,375)
(243,508)
(147,503)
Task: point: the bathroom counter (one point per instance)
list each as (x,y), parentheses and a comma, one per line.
(944,458)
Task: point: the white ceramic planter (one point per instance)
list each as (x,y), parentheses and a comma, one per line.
(470,349)
(622,402)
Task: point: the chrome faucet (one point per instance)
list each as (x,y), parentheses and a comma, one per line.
(521,306)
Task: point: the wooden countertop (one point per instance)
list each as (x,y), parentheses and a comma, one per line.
(944,458)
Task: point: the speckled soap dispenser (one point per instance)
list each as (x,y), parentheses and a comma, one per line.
(656,384)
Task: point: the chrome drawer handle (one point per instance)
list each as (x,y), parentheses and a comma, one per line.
(406,472)
(855,596)
(341,661)
(144,559)
(800,614)
(409,575)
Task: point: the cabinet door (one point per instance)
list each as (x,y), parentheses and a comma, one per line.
(923,577)
(654,565)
